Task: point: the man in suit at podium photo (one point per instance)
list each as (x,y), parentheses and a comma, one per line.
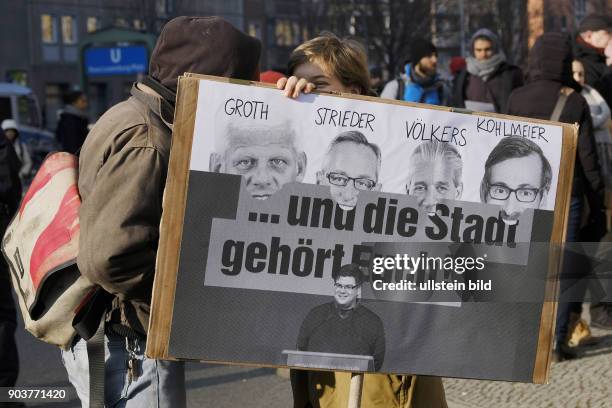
(344,325)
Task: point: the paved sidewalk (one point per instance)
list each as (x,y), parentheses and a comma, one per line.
(582,383)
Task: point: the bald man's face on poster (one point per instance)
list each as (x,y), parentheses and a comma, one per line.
(266,158)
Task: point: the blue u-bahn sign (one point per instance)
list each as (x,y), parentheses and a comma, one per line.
(108,61)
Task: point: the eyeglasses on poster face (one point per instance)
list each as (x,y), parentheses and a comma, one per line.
(523,194)
(360,183)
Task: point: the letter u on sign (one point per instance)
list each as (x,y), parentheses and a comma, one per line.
(115,55)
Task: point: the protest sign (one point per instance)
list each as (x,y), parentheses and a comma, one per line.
(353,233)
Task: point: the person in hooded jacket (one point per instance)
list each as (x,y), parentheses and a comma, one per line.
(487,78)
(122,173)
(589,48)
(600,115)
(72,127)
(550,73)
(9,127)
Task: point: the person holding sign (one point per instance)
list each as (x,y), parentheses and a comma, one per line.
(351,165)
(514,190)
(344,325)
(434,173)
(266,157)
(122,173)
(328,63)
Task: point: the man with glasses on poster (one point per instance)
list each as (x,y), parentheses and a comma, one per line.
(344,326)
(351,165)
(517,177)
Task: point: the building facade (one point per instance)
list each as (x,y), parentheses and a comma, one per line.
(41,43)
(561,15)
(517,22)
(42,40)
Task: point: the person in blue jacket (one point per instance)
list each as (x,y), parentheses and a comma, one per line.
(420,81)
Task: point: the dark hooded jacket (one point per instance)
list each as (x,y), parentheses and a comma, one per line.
(498,86)
(72,129)
(10,184)
(596,72)
(124,161)
(550,68)
(495,90)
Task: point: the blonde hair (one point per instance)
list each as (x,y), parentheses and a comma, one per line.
(343,58)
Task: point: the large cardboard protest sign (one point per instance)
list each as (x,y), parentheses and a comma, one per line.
(352,233)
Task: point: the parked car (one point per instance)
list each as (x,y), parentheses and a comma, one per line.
(19,103)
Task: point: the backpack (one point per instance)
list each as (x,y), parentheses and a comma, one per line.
(40,246)
(401,89)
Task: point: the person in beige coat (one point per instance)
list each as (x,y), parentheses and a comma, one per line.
(122,174)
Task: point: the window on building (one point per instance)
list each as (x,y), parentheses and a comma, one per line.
(48,28)
(164,7)
(69,30)
(139,24)
(51,53)
(295,32)
(254,30)
(579,9)
(563,23)
(16,76)
(282,32)
(93,24)
(287,33)
(28,111)
(121,22)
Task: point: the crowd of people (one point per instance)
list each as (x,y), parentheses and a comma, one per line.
(124,160)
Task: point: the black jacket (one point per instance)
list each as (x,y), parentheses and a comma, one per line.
(71,130)
(500,85)
(596,72)
(550,69)
(10,184)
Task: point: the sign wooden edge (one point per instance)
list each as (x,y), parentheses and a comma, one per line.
(549,308)
(175,194)
(171,226)
(385,101)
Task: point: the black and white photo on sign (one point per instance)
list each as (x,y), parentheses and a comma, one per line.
(291,203)
(353,146)
(343,326)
